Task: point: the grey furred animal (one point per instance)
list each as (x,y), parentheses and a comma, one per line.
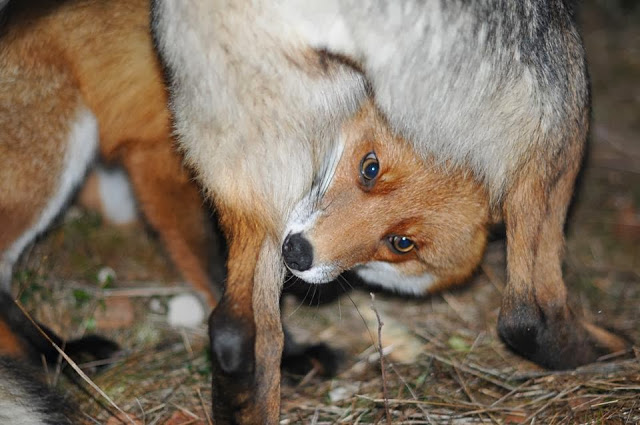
(496,86)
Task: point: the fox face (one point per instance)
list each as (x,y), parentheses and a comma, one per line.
(399,221)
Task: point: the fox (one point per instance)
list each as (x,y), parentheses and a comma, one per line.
(494,91)
(25,398)
(80,79)
(426,241)
(430,237)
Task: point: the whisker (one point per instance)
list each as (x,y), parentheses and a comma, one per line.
(344,279)
(315,288)
(340,298)
(360,314)
(301,302)
(289,282)
(289,279)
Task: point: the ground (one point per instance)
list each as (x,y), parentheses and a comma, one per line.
(443,362)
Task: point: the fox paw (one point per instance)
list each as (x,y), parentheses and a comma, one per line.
(320,358)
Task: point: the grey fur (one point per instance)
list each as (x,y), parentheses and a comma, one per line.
(485,83)
(482,82)
(24,400)
(254,111)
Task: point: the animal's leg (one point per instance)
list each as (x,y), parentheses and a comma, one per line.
(173,205)
(245,329)
(535,319)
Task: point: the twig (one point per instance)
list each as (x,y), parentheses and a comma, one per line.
(204,407)
(469,370)
(490,273)
(413,394)
(145,292)
(459,405)
(133,289)
(557,397)
(594,368)
(385,396)
(308,377)
(186,411)
(510,393)
(457,307)
(144,416)
(471,397)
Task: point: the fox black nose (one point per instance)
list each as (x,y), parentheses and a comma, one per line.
(297,252)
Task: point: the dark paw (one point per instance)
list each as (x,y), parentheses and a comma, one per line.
(232,340)
(319,357)
(519,330)
(232,343)
(555,341)
(90,349)
(94,346)
(231,350)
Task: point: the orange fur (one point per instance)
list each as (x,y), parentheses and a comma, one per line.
(28,170)
(99,54)
(445,212)
(10,345)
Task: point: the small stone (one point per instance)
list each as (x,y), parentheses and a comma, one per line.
(343,392)
(185,310)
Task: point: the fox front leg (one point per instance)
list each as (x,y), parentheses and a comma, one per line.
(245,330)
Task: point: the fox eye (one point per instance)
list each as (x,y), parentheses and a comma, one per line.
(401,244)
(369,166)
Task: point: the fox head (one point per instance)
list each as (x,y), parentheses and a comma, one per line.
(399,221)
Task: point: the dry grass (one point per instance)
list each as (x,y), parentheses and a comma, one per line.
(443,361)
